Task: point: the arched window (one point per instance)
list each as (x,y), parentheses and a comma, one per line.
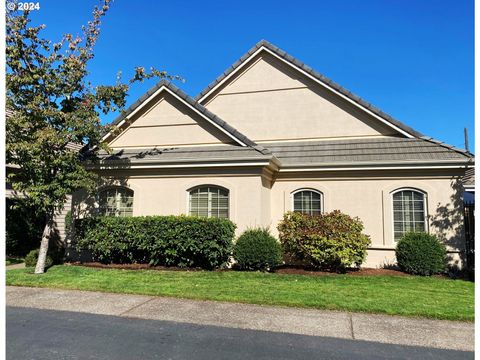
(307,202)
(209,201)
(409,212)
(115,201)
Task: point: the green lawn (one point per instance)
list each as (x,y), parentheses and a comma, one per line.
(409,296)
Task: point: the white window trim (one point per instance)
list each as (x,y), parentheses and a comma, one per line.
(292,201)
(189,213)
(425,209)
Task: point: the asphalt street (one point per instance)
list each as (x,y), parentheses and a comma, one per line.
(46,334)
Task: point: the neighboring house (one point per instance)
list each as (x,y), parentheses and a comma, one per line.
(271,135)
(469,185)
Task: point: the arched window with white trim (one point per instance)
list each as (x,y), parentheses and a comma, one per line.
(115,201)
(409,212)
(209,201)
(308,201)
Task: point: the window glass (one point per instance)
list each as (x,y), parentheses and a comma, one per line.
(116,202)
(209,201)
(408,212)
(307,202)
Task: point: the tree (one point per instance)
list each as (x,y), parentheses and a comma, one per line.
(51,104)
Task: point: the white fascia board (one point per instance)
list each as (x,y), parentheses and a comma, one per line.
(135,111)
(182,101)
(310,77)
(241,66)
(175,166)
(354,168)
(210,121)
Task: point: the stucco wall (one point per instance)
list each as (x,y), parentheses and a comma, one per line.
(165,121)
(267,97)
(165,194)
(257,200)
(370,198)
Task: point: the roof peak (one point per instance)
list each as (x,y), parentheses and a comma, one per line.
(223,125)
(283,55)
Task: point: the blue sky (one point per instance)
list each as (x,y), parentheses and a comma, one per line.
(414,59)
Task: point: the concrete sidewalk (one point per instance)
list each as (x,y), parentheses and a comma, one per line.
(379,328)
(16,266)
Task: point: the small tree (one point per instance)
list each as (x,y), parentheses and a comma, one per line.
(51,105)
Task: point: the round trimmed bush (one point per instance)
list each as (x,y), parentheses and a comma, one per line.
(419,253)
(256,249)
(32,257)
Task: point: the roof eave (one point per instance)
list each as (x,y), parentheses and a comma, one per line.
(259,160)
(452,164)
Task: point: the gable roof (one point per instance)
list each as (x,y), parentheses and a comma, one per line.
(189,101)
(323,80)
(412,149)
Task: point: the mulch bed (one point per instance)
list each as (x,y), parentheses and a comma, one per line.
(294,270)
(298,270)
(133,266)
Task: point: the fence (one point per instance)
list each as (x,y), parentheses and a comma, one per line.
(469,211)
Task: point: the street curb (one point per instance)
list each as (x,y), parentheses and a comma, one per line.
(442,334)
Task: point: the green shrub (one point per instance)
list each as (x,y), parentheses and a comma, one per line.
(184,241)
(331,241)
(421,254)
(32,257)
(256,249)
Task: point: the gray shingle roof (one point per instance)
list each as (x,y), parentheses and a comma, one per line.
(188,99)
(371,151)
(375,151)
(184,154)
(313,73)
(362,151)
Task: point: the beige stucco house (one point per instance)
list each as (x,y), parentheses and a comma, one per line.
(271,135)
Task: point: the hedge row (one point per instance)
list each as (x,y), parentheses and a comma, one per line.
(333,241)
(183,241)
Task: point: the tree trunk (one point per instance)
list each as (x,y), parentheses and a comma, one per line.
(42,254)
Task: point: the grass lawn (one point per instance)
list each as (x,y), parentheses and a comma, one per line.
(396,295)
(14,260)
